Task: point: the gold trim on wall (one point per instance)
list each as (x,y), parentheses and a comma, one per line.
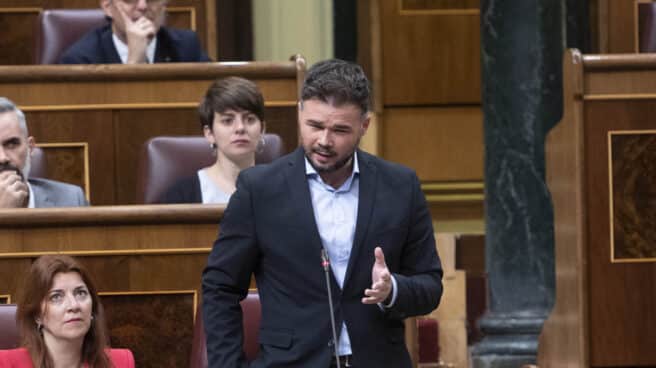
(21,10)
(6,297)
(454,11)
(135,106)
(116,252)
(182,9)
(465,191)
(85,152)
(155,292)
(610,195)
(619,96)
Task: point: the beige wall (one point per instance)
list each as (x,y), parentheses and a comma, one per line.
(286,27)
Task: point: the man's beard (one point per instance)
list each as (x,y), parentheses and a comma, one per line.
(332,168)
(25,173)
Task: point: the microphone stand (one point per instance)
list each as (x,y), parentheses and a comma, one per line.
(325,263)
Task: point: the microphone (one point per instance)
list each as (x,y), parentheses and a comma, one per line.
(325,263)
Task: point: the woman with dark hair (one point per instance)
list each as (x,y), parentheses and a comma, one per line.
(232,119)
(61,320)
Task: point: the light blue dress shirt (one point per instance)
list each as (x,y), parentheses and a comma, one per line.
(335,213)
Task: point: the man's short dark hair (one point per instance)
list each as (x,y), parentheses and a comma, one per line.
(337,82)
(230,93)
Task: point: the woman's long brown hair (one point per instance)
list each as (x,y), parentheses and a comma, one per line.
(35,289)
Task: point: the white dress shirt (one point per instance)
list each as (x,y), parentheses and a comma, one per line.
(122,49)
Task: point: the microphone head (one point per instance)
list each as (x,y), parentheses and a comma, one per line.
(325,262)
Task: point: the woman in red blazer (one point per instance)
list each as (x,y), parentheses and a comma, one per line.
(61,320)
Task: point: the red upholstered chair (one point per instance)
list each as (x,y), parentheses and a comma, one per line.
(165,160)
(252,314)
(58,29)
(9,337)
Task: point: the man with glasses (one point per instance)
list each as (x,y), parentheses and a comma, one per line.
(135,35)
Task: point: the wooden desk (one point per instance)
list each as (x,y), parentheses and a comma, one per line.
(114,109)
(145,260)
(598,158)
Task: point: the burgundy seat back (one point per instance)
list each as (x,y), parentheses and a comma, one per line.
(647,27)
(38,164)
(165,160)
(252,313)
(58,29)
(9,336)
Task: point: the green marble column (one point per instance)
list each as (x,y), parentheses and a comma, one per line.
(522,42)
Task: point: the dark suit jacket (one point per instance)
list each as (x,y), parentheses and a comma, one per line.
(20,358)
(186,190)
(50,193)
(97,47)
(269,229)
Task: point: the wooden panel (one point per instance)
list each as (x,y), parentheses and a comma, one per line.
(450,141)
(67,162)
(564,339)
(429,58)
(632,195)
(619,316)
(17,29)
(617,23)
(439,4)
(94,127)
(116,108)
(18,21)
(179,17)
(145,254)
(603,308)
(132,317)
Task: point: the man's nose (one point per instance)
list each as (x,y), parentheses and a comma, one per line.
(142,5)
(4,159)
(325,138)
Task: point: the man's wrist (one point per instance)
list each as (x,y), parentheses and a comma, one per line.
(391,298)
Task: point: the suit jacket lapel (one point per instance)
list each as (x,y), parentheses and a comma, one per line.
(301,199)
(41,197)
(164,51)
(366,196)
(300,195)
(108,48)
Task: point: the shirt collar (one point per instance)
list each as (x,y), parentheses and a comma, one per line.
(122,49)
(31,202)
(310,172)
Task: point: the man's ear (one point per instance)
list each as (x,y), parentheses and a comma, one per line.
(31,143)
(105,5)
(365,123)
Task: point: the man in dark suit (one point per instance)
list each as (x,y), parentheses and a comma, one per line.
(368,214)
(135,35)
(16,190)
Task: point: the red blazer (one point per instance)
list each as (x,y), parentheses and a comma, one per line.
(20,358)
